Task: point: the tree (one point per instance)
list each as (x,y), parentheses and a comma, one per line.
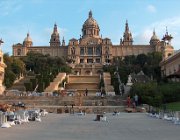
(141,59)
(13,70)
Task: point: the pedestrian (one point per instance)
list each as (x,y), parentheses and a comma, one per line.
(128,101)
(136,99)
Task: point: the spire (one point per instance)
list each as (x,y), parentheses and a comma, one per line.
(167,37)
(55,39)
(28,34)
(127,27)
(90,14)
(121,42)
(166,31)
(63,42)
(55,28)
(127,37)
(154,32)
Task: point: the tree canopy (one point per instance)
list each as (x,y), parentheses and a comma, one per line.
(149,64)
(13,70)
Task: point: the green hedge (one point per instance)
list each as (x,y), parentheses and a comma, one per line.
(156,94)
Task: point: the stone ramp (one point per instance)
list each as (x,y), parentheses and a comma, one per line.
(19,84)
(55,84)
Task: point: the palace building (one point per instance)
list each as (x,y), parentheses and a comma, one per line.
(90,52)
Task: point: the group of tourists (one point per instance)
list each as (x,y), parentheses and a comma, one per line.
(134,102)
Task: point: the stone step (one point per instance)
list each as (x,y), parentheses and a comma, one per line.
(82,86)
(81,78)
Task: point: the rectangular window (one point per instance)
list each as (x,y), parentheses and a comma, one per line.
(98,60)
(82,51)
(81,60)
(89,60)
(98,51)
(90,51)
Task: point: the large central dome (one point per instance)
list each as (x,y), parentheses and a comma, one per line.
(90,21)
(90,27)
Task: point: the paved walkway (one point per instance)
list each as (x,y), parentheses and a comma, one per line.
(126,126)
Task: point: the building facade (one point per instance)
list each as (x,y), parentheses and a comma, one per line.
(170,67)
(88,53)
(2,70)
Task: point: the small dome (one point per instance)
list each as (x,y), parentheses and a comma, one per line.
(154,36)
(28,38)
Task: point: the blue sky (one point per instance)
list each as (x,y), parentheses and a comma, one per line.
(17,17)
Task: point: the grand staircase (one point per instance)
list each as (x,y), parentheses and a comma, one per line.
(107,83)
(80,83)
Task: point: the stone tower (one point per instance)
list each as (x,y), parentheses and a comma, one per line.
(55,39)
(127,37)
(167,47)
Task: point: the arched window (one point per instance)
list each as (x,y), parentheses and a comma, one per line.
(19,52)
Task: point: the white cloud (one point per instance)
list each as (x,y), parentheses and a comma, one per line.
(151,8)
(173,25)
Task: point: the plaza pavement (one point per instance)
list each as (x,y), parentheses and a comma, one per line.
(126,126)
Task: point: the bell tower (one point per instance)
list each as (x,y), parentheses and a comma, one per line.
(167,47)
(55,39)
(127,37)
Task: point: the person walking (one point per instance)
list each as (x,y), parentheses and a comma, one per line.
(128,101)
(136,99)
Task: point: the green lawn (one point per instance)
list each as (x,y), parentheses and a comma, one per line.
(173,106)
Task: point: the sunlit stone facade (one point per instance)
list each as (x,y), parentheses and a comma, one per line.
(88,53)
(2,70)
